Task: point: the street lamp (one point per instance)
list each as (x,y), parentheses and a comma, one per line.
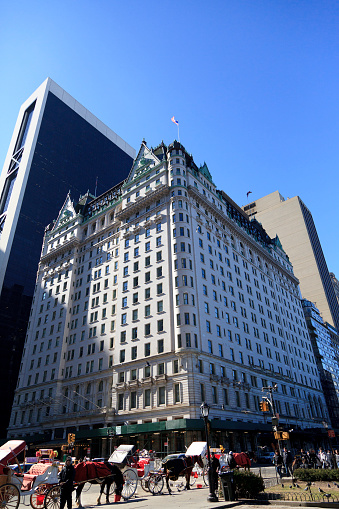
(204,409)
(110,434)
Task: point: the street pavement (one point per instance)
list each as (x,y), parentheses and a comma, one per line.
(195,498)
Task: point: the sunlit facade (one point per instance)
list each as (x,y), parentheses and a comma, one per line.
(154,297)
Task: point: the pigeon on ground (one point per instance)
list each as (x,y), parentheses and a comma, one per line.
(309,484)
(291,486)
(282,485)
(297,486)
(329,486)
(307,488)
(327,495)
(320,490)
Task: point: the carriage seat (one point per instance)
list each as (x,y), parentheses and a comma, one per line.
(32,474)
(141,466)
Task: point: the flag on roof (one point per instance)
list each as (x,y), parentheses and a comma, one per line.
(249,192)
(175,121)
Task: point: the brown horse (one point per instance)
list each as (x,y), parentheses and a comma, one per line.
(180,467)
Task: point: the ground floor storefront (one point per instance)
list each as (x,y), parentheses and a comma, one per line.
(173,436)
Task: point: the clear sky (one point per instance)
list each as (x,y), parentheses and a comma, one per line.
(253,83)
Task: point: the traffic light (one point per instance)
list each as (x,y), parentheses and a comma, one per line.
(71,438)
(264,406)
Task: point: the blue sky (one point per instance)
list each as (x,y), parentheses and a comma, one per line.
(254,85)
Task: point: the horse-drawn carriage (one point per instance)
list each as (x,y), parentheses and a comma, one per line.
(36,483)
(174,468)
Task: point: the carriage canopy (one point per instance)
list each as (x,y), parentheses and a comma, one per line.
(197,449)
(120,455)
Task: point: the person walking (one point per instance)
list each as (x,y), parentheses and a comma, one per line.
(278,463)
(288,460)
(215,467)
(337,458)
(66,479)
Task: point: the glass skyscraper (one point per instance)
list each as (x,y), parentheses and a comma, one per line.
(57,146)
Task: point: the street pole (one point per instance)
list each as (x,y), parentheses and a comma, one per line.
(204,412)
(270,400)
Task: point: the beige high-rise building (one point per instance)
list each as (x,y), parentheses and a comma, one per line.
(292,221)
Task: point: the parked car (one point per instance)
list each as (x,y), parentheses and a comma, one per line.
(24,467)
(266,457)
(173,456)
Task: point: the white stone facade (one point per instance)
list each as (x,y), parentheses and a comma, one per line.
(155,297)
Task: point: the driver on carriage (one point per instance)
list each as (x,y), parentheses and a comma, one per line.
(66,479)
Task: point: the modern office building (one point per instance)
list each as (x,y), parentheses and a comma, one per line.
(325,342)
(57,146)
(292,221)
(335,284)
(152,298)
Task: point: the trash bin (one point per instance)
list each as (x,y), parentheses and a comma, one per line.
(227,485)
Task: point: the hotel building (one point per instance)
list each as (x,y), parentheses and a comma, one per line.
(152,298)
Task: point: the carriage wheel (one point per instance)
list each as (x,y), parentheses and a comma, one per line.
(156,484)
(131,483)
(52,498)
(37,498)
(9,496)
(144,483)
(205,476)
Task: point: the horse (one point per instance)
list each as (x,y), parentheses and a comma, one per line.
(93,472)
(177,467)
(237,460)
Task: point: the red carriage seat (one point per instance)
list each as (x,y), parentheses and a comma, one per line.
(32,474)
(141,466)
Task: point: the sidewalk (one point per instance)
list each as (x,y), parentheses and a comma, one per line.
(196,498)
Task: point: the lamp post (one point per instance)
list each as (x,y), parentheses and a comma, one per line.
(110,434)
(204,409)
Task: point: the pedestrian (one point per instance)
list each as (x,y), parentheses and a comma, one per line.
(337,458)
(215,467)
(231,461)
(314,460)
(278,463)
(330,459)
(66,478)
(288,460)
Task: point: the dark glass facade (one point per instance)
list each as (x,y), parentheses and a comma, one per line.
(69,155)
(322,265)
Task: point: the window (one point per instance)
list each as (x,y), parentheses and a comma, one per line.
(176,393)
(147,398)
(161,396)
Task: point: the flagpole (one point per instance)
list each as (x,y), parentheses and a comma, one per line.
(178,134)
